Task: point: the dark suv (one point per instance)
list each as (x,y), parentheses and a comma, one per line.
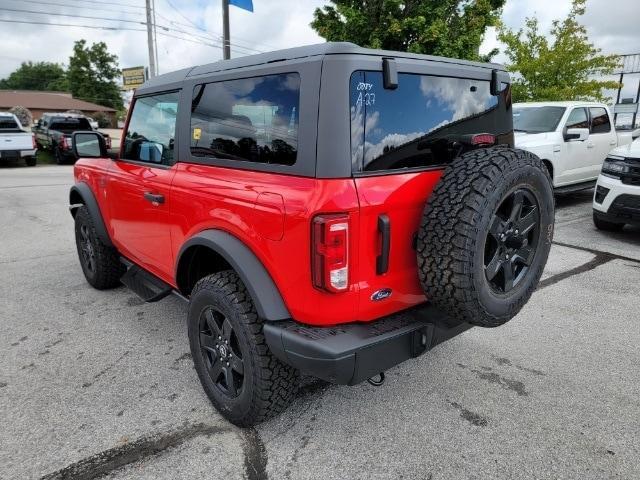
(329,210)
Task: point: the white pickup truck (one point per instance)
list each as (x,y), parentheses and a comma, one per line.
(15,142)
(572,138)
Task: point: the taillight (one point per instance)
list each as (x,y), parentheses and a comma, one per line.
(66,143)
(483,139)
(107,141)
(33,141)
(330,256)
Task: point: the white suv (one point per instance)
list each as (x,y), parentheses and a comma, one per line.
(572,139)
(617,198)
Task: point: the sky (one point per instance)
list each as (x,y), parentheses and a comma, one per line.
(612,25)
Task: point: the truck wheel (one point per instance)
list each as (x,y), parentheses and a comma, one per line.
(241,377)
(100,263)
(58,155)
(485,235)
(607,226)
(31,161)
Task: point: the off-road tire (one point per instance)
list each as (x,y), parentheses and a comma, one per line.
(269,386)
(30,161)
(107,267)
(454,233)
(607,226)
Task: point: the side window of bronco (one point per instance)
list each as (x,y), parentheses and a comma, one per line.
(151,133)
(252,119)
(421,122)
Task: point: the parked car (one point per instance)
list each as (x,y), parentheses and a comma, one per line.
(616,202)
(53,132)
(303,241)
(571,138)
(94,124)
(15,142)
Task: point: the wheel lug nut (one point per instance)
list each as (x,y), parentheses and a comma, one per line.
(219,337)
(227,364)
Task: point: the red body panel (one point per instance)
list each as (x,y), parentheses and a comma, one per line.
(271,214)
(402,198)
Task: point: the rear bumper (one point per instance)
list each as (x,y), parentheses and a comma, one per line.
(16,154)
(349,354)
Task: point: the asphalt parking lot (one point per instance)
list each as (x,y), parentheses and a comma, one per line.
(100,384)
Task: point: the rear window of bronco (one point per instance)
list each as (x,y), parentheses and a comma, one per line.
(252,119)
(416,124)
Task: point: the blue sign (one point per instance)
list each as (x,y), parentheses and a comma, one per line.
(244,4)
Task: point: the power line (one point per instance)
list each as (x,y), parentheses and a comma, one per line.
(72,16)
(217,36)
(42,2)
(109,3)
(95,27)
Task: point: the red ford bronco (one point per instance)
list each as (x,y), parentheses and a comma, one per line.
(327,210)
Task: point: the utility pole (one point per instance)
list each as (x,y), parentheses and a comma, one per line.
(152,57)
(226,48)
(155,37)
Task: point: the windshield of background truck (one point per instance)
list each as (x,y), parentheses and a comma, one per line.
(537,119)
(71,124)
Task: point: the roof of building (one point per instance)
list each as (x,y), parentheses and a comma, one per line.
(329,48)
(34,99)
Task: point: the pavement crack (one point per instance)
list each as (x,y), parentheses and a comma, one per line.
(255,455)
(600,259)
(107,461)
(612,256)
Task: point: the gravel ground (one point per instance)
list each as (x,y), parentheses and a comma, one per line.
(98,384)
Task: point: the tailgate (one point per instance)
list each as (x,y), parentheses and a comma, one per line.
(391,206)
(16,141)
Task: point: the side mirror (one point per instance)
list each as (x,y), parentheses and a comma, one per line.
(88,145)
(635,134)
(151,152)
(576,134)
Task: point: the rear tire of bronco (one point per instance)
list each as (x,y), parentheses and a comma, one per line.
(485,235)
(31,161)
(243,380)
(100,263)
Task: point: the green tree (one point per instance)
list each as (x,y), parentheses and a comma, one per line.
(450,28)
(36,76)
(568,67)
(92,73)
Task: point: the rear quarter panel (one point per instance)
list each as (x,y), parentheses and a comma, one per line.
(270,213)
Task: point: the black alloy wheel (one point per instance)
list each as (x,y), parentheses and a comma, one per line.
(512,239)
(221,352)
(87,249)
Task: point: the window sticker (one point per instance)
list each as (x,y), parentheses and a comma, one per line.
(197,133)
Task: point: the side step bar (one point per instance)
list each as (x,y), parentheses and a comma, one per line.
(146,285)
(349,354)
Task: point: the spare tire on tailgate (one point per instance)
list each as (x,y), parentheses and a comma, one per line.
(485,235)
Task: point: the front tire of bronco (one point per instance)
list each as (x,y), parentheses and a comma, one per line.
(100,263)
(485,235)
(241,377)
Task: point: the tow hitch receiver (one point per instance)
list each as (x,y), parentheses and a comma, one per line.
(377,383)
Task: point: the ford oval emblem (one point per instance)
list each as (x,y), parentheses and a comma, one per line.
(381,294)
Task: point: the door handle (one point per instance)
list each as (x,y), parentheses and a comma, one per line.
(155,199)
(384,228)
(613,142)
(590,145)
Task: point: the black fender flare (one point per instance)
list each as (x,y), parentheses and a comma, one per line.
(83,190)
(252,272)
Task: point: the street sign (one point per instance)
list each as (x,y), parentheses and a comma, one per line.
(132,77)
(625,108)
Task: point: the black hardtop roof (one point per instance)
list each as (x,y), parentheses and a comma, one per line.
(320,49)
